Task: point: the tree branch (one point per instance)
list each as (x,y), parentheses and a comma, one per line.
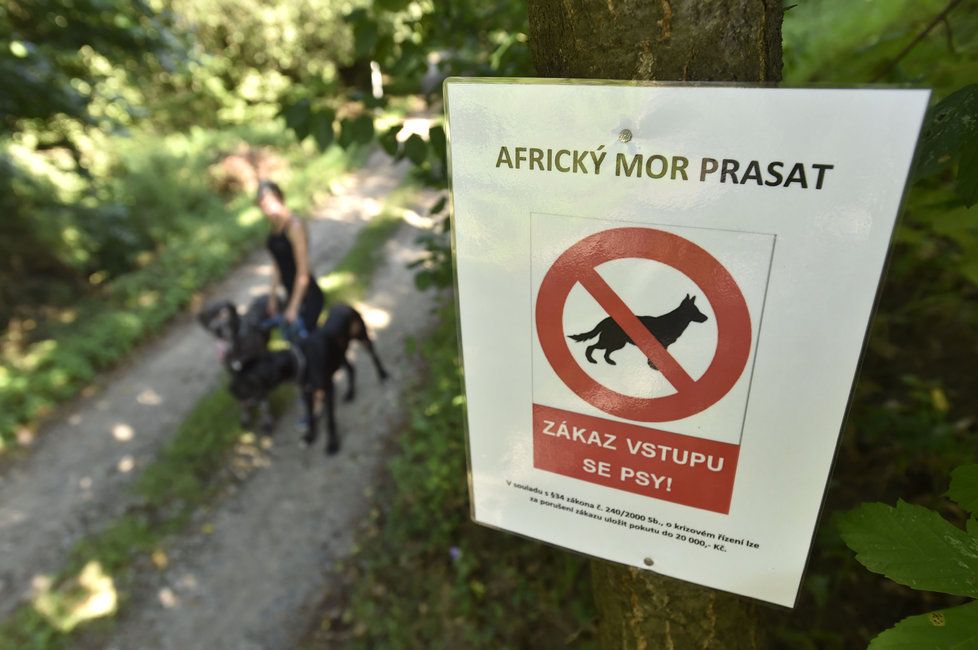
(917,39)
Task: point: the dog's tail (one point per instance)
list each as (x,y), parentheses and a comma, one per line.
(586,335)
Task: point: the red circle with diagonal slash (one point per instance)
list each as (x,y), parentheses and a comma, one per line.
(578,264)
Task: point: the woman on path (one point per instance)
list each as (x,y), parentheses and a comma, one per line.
(288,244)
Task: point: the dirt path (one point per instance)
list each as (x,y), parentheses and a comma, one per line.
(76,478)
(251,573)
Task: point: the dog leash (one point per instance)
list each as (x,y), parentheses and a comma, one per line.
(290,331)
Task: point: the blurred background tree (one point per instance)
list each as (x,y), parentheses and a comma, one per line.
(68,74)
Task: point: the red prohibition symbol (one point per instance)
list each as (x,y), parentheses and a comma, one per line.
(578,264)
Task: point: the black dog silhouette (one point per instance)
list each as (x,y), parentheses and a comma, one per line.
(311,362)
(667,328)
(243,337)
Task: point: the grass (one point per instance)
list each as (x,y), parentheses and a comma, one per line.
(188,473)
(424,575)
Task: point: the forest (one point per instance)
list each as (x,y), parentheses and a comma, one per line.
(132,137)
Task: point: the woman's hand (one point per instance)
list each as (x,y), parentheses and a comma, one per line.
(291,313)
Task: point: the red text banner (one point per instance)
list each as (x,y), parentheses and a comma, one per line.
(672,467)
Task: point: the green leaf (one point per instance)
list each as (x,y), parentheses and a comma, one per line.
(959,224)
(913,546)
(436,136)
(948,125)
(944,629)
(389,139)
(439,205)
(322,129)
(297,118)
(416,149)
(969,269)
(345,138)
(362,128)
(964,488)
(365,35)
(967,181)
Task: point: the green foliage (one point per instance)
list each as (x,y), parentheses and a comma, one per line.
(246,55)
(467,38)
(416,149)
(425,576)
(949,629)
(950,138)
(187,473)
(416,46)
(915,546)
(436,267)
(162,184)
(55,56)
(967,183)
(356,130)
(112,323)
(950,124)
(835,41)
(964,488)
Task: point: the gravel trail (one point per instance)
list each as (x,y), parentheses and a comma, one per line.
(251,572)
(76,479)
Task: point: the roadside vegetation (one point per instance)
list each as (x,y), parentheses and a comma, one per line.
(114,117)
(209,451)
(424,575)
(187,236)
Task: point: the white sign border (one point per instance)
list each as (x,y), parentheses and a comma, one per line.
(901,205)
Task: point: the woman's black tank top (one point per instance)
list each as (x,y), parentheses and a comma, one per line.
(281,249)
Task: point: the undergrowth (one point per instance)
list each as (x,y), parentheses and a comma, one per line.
(189,472)
(426,576)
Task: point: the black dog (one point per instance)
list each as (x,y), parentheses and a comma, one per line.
(244,338)
(666,328)
(246,335)
(311,362)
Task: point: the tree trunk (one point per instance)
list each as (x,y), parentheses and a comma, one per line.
(640,610)
(696,40)
(668,40)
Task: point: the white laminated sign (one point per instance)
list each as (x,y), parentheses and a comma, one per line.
(663,293)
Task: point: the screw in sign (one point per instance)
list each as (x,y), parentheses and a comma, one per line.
(579,264)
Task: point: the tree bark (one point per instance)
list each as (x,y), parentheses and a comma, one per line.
(701,40)
(695,40)
(642,610)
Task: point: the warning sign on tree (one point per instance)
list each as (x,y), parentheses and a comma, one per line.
(644,326)
(663,294)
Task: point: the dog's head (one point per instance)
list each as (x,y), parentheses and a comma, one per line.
(220,318)
(691,311)
(257,377)
(243,337)
(254,331)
